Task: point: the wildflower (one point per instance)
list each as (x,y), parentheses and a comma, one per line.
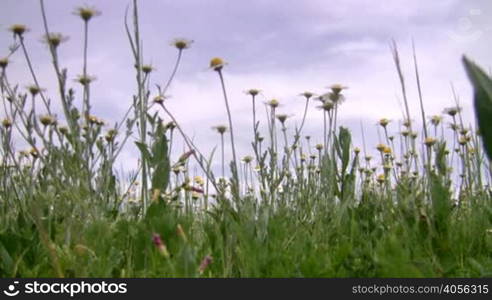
(63,130)
(161,247)
(260,139)
(413,135)
(407,123)
(463,140)
(327,105)
(381,178)
(85,79)
(86,12)
(307,95)
(368,158)
(356,150)
(216,63)
(319,147)
(47,120)
(253,92)
(387,150)
(220,128)
(273,103)
(381,147)
(170,125)
(54,39)
(199,180)
(147,69)
(181,43)
(435,120)
(110,135)
(159,99)
(452,111)
(34,152)
(384,122)
(207,260)
(337,88)
(429,141)
(405,133)
(247,159)
(18,29)
(4,61)
(282,118)
(464,131)
(34,89)
(7,123)
(178,169)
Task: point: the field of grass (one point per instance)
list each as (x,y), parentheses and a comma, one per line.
(421,207)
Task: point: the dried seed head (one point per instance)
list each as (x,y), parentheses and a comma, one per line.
(319,147)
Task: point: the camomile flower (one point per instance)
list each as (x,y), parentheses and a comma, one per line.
(452,111)
(4,61)
(307,94)
(220,128)
(85,79)
(54,39)
(86,12)
(384,122)
(217,63)
(273,103)
(181,43)
(253,92)
(18,29)
(282,118)
(337,88)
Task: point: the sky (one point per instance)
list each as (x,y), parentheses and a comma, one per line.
(281,47)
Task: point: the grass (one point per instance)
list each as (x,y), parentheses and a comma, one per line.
(421,208)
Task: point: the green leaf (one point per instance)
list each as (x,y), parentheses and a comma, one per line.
(482,85)
(144,150)
(160,160)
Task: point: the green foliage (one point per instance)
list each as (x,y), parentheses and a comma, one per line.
(482,86)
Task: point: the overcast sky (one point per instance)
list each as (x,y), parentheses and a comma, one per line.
(281,47)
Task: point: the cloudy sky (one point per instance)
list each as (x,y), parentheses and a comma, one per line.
(281,47)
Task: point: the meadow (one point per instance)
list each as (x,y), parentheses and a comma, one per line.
(420,207)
